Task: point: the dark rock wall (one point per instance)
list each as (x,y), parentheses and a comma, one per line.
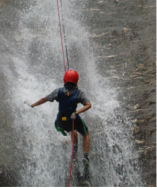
(123,32)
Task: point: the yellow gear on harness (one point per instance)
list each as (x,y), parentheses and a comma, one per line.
(64,118)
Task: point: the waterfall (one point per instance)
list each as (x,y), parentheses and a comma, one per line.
(33,68)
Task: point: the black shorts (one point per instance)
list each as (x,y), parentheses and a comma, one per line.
(66,124)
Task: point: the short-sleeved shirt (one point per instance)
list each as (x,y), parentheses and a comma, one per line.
(80,125)
(81,98)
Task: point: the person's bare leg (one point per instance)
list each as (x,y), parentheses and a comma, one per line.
(86,142)
(75,137)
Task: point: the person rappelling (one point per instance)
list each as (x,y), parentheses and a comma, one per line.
(68,97)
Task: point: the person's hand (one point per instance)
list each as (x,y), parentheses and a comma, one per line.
(73,115)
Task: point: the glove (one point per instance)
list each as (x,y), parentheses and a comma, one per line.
(73,115)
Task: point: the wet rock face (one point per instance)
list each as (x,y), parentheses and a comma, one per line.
(8,178)
(123,34)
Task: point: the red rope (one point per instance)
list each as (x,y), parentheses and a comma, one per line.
(72,152)
(61,36)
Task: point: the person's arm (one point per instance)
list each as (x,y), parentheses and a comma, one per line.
(85,108)
(41,101)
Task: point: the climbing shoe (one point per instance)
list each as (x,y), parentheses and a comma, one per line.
(86,159)
(75,148)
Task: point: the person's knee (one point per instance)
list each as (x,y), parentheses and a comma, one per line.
(86,134)
(75,136)
(75,133)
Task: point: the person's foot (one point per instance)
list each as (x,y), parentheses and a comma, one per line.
(86,159)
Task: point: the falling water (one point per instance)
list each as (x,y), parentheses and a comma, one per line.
(33,67)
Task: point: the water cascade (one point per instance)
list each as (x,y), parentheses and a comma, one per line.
(32,66)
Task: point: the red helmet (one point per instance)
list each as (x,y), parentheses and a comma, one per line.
(71,76)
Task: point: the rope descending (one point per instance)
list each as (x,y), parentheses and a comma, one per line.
(62,38)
